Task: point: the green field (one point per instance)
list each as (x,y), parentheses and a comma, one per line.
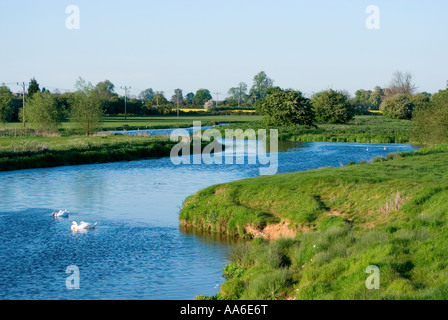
(152,122)
(391,214)
(366,129)
(41,152)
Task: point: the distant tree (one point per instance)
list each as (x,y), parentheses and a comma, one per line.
(286,107)
(209,104)
(332,106)
(147,94)
(189,98)
(362,101)
(238,94)
(440,98)
(105,89)
(115,105)
(86,107)
(376,97)
(421,101)
(431,123)
(366,100)
(201,97)
(261,83)
(33,88)
(6,110)
(401,83)
(398,106)
(159,99)
(42,111)
(177,96)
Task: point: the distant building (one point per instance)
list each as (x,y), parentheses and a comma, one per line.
(18,94)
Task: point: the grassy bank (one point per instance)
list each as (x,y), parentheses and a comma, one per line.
(41,152)
(363,129)
(136,123)
(333,223)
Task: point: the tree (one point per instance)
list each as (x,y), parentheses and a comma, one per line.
(86,107)
(177,96)
(376,97)
(33,88)
(421,101)
(286,107)
(147,94)
(42,111)
(6,111)
(399,106)
(201,97)
(431,122)
(332,106)
(362,101)
(189,98)
(261,83)
(159,98)
(238,93)
(402,83)
(105,89)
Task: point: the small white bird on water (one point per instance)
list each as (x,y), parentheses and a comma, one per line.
(60,214)
(83,226)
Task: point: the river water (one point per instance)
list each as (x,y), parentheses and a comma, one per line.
(137,250)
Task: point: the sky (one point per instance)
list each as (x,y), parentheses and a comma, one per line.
(215,44)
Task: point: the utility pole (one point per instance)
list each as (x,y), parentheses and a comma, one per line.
(177,103)
(125,99)
(23,85)
(217,98)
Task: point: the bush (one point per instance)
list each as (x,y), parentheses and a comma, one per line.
(332,107)
(431,123)
(286,107)
(399,106)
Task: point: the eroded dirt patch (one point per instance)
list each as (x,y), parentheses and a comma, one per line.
(274,231)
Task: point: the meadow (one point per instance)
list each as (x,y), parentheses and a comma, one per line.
(391,213)
(363,129)
(110,123)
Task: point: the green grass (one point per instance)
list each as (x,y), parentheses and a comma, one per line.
(40,152)
(149,122)
(365,129)
(391,213)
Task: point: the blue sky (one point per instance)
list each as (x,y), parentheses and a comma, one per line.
(215,44)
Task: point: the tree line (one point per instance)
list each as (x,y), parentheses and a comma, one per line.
(46,110)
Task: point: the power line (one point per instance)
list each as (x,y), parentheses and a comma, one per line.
(217,97)
(125,99)
(23,84)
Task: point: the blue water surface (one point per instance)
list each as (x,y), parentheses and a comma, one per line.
(137,251)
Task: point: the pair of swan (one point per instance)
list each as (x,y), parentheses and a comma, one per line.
(83,226)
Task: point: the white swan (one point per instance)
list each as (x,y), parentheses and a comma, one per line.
(60,214)
(83,226)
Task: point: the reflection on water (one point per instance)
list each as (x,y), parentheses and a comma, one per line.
(137,250)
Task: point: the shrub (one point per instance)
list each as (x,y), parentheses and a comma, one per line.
(399,106)
(286,107)
(332,107)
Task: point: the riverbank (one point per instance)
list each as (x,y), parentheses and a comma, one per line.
(333,223)
(363,129)
(42,152)
(34,151)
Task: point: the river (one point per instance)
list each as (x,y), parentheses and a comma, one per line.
(137,250)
